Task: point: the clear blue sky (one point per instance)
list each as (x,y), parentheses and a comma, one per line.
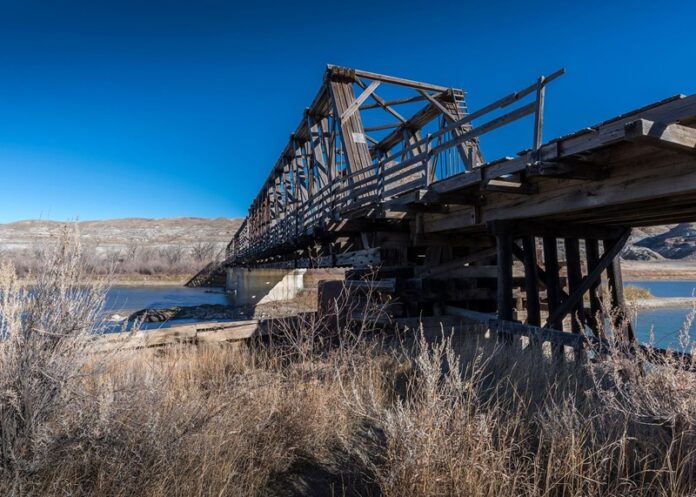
(164,108)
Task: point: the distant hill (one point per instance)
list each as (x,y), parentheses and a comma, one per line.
(672,242)
(669,242)
(114,234)
(137,249)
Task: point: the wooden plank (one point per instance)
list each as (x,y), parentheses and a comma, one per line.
(504,276)
(385,285)
(176,334)
(554,229)
(539,114)
(483,317)
(391,103)
(572,250)
(438,105)
(674,136)
(541,272)
(597,316)
(355,104)
(616,288)
(553,284)
(384,78)
(531,281)
(456,264)
(486,128)
(540,335)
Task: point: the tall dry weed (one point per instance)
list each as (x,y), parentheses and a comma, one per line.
(325,408)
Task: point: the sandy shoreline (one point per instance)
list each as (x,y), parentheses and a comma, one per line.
(658,270)
(663,302)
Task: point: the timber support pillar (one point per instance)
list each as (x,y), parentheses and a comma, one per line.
(559,289)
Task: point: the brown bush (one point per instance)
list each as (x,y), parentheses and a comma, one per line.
(358,414)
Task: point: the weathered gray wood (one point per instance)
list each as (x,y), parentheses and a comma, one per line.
(531,281)
(385,78)
(572,251)
(596,317)
(539,114)
(355,104)
(504,275)
(483,317)
(553,285)
(672,135)
(541,335)
(456,264)
(611,251)
(621,321)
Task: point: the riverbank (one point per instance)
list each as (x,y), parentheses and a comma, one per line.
(662,303)
(136,280)
(658,270)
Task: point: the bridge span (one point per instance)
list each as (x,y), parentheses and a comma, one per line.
(387,175)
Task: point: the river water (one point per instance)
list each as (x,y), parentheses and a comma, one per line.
(664,324)
(123,301)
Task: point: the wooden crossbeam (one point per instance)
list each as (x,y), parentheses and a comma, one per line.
(531,279)
(390,103)
(574,270)
(552,279)
(568,168)
(617,296)
(385,78)
(504,244)
(438,105)
(355,104)
(544,275)
(511,187)
(381,102)
(457,263)
(674,136)
(575,296)
(592,253)
(554,229)
(540,335)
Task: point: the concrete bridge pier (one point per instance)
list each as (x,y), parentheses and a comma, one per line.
(260,285)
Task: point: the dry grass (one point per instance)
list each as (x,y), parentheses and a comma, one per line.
(134,261)
(633,292)
(352,414)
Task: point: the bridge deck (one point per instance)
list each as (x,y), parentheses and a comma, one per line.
(415,199)
(334,180)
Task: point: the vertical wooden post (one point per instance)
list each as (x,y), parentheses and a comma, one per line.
(597,320)
(553,288)
(617,295)
(504,252)
(539,114)
(572,248)
(531,278)
(553,285)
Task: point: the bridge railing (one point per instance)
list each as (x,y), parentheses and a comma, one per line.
(288,212)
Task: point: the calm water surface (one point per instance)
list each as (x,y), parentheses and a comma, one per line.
(664,323)
(130,299)
(122,301)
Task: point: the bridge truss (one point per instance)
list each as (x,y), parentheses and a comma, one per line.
(387,174)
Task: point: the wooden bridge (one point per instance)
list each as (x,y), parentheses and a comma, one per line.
(385,174)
